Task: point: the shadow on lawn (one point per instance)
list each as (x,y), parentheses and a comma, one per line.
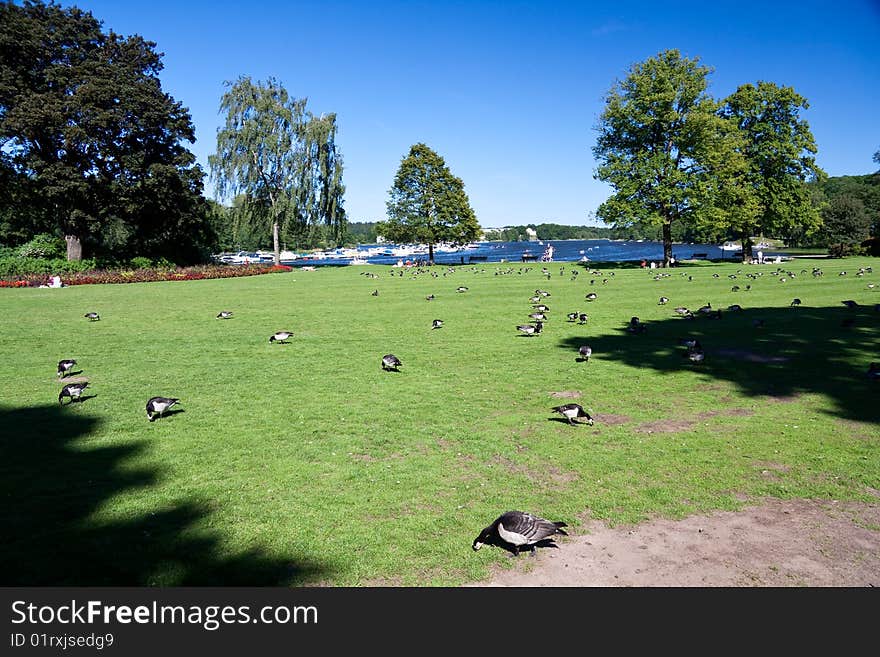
(794,351)
(50,487)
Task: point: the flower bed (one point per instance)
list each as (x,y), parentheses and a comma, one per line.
(149,275)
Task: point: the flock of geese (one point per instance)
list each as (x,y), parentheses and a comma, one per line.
(516,531)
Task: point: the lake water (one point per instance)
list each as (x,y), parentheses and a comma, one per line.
(563,251)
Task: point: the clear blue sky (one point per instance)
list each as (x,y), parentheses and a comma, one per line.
(507,92)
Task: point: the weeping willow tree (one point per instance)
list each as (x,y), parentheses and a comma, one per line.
(281,159)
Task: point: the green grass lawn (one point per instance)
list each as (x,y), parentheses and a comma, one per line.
(307,464)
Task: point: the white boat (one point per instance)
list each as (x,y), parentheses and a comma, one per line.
(730,246)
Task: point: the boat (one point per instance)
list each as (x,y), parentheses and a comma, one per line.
(730,246)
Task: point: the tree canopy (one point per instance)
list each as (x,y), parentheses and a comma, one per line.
(281,160)
(92,148)
(428,204)
(657,129)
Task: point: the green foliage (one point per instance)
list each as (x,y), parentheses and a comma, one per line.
(657,130)
(22,266)
(92,145)
(845,224)
(42,246)
(428,204)
(280,163)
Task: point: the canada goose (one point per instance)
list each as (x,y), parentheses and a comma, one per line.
(437,323)
(543,293)
(92,317)
(572,317)
(535,299)
(390,362)
(663,301)
(734,307)
(73,391)
(696,355)
(430,297)
(690,343)
(592,296)
(681,310)
(517,530)
(224,314)
(584,351)
(541,308)
(795,302)
(64,366)
(462,288)
(531,329)
(572,411)
(157,406)
(374,293)
(705,309)
(735,288)
(280,337)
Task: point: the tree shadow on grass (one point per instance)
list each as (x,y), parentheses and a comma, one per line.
(791,351)
(50,487)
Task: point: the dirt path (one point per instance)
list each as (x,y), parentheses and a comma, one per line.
(776,543)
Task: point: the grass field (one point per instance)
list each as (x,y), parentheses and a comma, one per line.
(307,464)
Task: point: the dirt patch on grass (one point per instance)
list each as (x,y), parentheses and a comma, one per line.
(775,543)
(779,398)
(665,426)
(566,394)
(611,420)
(726,412)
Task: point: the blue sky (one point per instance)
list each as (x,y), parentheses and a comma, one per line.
(507,92)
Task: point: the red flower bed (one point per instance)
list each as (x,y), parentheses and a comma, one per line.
(151,275)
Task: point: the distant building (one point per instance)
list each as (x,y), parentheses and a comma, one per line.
(531,234)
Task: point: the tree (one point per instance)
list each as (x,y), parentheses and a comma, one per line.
(86,128)
(655,132)
(845,223)
(280,158)
(778,148)
(428,204)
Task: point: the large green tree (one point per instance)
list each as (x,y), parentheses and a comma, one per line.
(845,223)
(778,147)
(657,130)
(93,142)
(283,161)
(428,204)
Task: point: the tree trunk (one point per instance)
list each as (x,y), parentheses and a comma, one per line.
(747,248)
(276,242)
(74,248)
(667,243)
(430,253)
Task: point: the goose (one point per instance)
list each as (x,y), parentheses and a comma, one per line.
(544,293)
(735,307)
(663,301)
(224,314)
(430,297)
(592,296)
(696,355)
(92,317)
(541,317)
(542,308)
(849,303)
(517,530)
(72,390)
(531,329)
(572,411)
(735,288)
(690,343)
(705,309)
(795,302)
(681,310)
(280,337)
(437,323)
(157,406)
(585,351)
(572,317)
(374,293)
(64,366)
(462,288)
(535,299)
(582,318)
(390,363)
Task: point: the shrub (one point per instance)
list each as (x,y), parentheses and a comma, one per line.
(43,246)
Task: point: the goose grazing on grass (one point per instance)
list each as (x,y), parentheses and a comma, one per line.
(516,530)
(592,296)
(535,299)
(374,293)
(663,301)
(437,323)
(430,297)
(280,337)
(461,288)
(157,406)
(705,309)
(735,307)
(795,302)
(64,366)
(390,363)
(224,314)
(582,318)
(681,310)
(92,317)
(531,329)
(72,390)
(572,411)
(541,308)
(541,317)
(572,317)
(584,353)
